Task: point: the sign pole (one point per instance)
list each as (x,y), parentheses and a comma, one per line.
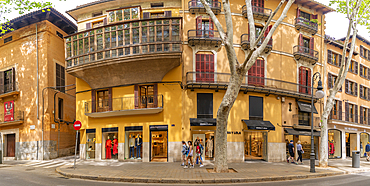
(74,166)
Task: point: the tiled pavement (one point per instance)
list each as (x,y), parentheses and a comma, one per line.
(174,173)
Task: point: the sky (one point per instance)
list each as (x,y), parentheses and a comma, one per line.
(336,24)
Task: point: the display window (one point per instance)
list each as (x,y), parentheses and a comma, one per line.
(90,143)
(351,143)
(364,138)
(134,143)
(110,143)
(305,142)
(255,145)
(206,139)
(334,144)
(159,143)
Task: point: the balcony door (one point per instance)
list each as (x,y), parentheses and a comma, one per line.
(307,45)
(147,96)
(256,73)
(258,5)
(304,80)
(104,100)
(205,68)
(205,27)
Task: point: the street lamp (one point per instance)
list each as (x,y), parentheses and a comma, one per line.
(319,94)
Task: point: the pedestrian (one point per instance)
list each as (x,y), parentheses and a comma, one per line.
(198,152)
(201,149)
(300,151)
(184,152)
(367,149)
(190,156)
(291,152)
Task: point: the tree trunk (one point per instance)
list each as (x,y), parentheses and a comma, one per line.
(323,161)
(222,117)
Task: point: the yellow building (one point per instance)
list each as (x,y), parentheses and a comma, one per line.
(349,120)
(157,70)
(34,119)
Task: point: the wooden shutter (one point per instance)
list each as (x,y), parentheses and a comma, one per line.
(356,113)
(368,73)
(298,13)
(93,100)
(361,115)
(300,40)
(361,90)
(146,15)
(105,21)
(155,91)
(13,85)
(355,89)
(62,78)
(88,26)
(211,28)
(361,69)
(308,78)
(340,110)
(340,60)
(356,67)
(368,96)
(361,51)
(199,25)
(330,58)
(2,82)
(167,13)
(267,30)
(330,84)
(312,46)
(110,99)
(346,86)
(301,79)
(346,108)
(136,94)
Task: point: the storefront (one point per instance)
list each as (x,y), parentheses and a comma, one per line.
(134,143)
(90,143)
(364,138)
(158,143)
(305,137)
(203,130)
(110,143)
(351,143)
(335,143)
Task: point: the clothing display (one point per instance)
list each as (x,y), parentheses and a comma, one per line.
(138,143)
(115,146)
(132,147)
(108,146)
(210,147)
(331,148)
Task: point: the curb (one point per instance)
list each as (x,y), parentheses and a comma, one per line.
(207,181)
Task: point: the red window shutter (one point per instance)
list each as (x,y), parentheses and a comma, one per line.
(155,92)
(110,99)
(300,40)
(193,3)
(298,13)
(308,79)
(199,26)
(211,28)
(197,64)
(215,3)
(262,3)
(136,94)
(88,26)
(212,67)
(93,100)
(267,30)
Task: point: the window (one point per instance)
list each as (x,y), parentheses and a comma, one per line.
(304,80)
(103,101)
(146,96)
(204,27)
(351,87)
(331,81)
(364,72)
(364,52)
(256,73)
(204,105)
(205,67)
(351,112)
(156,5)
(336,112)
(258,3)
(60,77)
(364,115)
(305,15)
(304,118)
(123,14)
(8,39)
(7,81)
(255,108)
(307,46)
(364,92)
(334,58)
(353,67)
(60,109)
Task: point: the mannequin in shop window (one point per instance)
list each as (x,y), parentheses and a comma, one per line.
(331,148)
(108,146)
(132,146)
(210,147)
(115,145)
(138,142)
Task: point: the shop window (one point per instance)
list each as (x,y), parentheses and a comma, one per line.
(335,143)
(364,138)
(90,143)
(204,105)
(256,74)
(110,143)
(331,81)
(60,109)
(304,80)
(159,146)
(255,108)
(60,77)
(205,67)
(255,145)
(134,142)
(351,87)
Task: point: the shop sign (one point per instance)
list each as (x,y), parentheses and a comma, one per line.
(158,127)
(349,128)
(233,132)
(206,124)
(9,111)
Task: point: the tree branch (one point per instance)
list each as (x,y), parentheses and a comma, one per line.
(252,28)
(215,20)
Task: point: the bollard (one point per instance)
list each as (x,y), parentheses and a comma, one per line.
(1,157)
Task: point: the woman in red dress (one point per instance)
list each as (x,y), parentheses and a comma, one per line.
(115,146)
(108,146)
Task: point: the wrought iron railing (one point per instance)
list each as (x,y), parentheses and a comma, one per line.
(222,79)
(8,117)
(203,34)
(301,50)
(245,39)
(307,23)
(198,4)
(124,103)
(349,117)
(258,10)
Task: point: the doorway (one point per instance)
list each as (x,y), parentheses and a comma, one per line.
(10,145)
(351,143)
(255,145)
(159,141)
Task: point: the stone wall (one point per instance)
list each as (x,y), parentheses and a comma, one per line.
(276,152)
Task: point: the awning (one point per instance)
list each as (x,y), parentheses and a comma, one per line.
(259,125)
(301,132)
(306,107)
(203,122)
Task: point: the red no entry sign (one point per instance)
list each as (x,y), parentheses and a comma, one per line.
(77,125)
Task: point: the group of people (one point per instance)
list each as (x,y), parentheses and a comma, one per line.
(189,152)
(291,152)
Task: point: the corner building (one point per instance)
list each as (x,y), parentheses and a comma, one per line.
(151,74)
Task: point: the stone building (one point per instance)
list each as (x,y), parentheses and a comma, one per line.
(32,112)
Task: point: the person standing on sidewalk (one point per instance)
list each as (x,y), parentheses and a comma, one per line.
(198,152)
(184,152)
(291,152)
(190,156)
(300,151)
(367,149)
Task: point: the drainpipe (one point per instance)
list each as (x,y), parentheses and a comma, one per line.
(37,94)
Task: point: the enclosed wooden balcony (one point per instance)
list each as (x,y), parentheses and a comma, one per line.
(126,52)
(306,54)
(245,43)
(204,37)
(197,6)
(305,25)
(258,12)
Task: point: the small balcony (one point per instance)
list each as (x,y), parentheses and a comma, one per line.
(197,6)
(305,25)
(7,90)
(258,12)
(348,117)
(306,54)
(124,106)
(16,119)
(219,81)
(204,37)
(304,122)
(130,51)
(245,43)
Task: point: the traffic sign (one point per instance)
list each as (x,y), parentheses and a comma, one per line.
(77,125)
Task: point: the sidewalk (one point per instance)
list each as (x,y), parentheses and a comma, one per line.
(254,171)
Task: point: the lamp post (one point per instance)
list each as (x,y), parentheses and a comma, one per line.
(319,94)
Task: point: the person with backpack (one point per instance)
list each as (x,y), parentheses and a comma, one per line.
(190,156)
(184,152)
(198,152)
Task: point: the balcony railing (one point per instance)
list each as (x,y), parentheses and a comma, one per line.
(306,25)
(304,120)
(258,12)
(348,117)
(245,42)
(209,37)
(219,81)
(18,118)
(197,6)
(304,53)
(125,103)
(124,39)
(6,88)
